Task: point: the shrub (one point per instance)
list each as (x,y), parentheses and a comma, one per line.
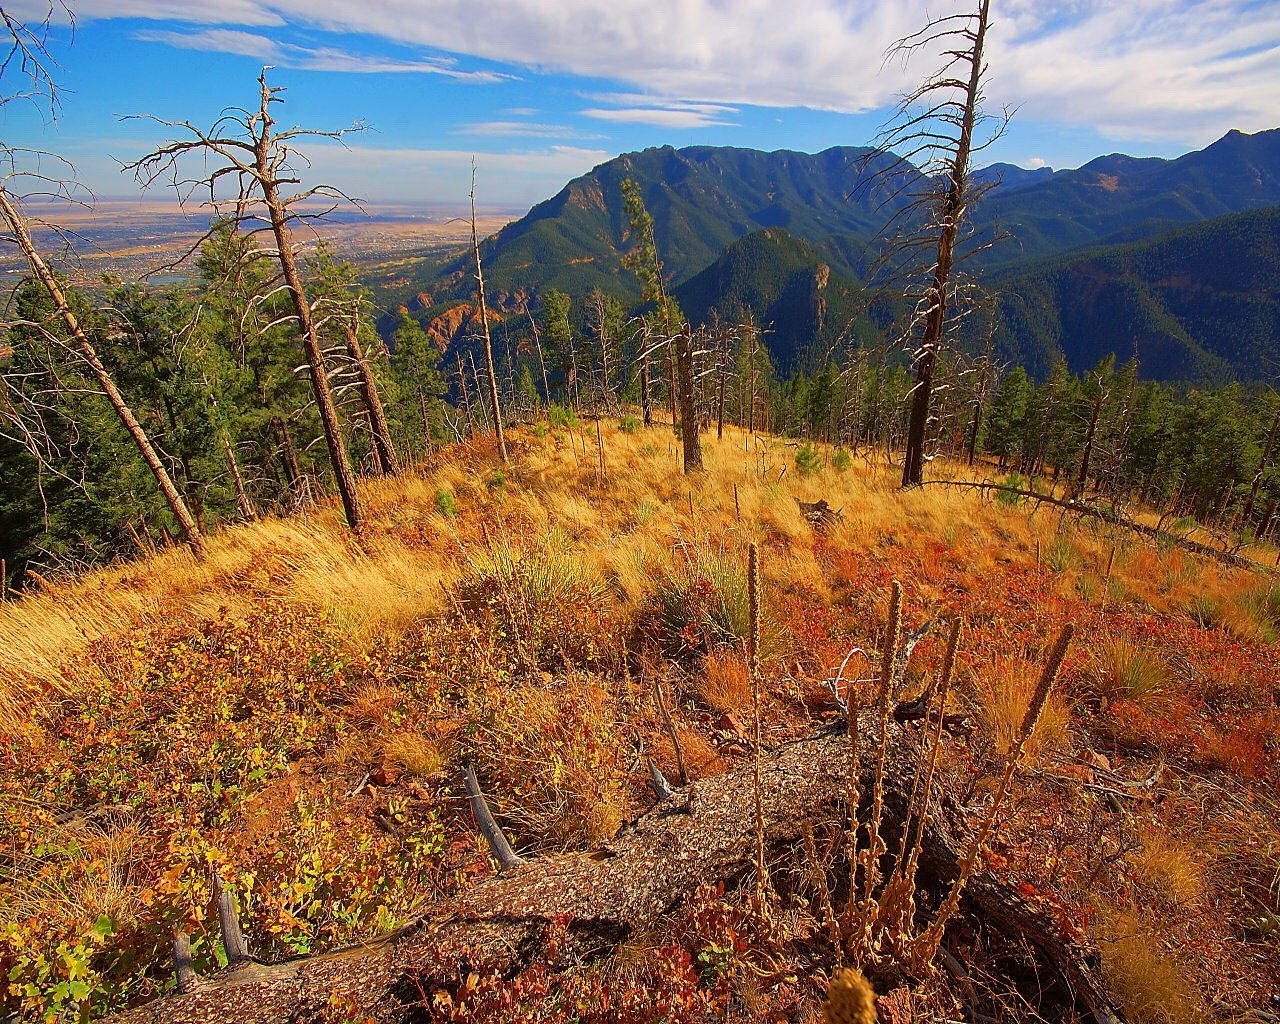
(1127,671)
(629,424)
(446,503)
(702,603)
(1061,555)
(543,602)
(808,460)
(841,461)
(1006,497)
(562,417)
(557,760)
(496,481)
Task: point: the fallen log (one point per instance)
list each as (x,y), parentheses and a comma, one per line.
(1094,512)
(594,902)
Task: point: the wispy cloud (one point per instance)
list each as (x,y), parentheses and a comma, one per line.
(525,130)
(639,108)
(307,58)
(1184,70)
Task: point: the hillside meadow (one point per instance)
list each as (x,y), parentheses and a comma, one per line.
(291,712)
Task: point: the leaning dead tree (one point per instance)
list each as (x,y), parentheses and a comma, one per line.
(78,345)
(22,413)
(255,186)
(935,130)
(487,342)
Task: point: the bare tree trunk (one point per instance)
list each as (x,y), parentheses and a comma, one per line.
(243,502)
(973,431)
(466,398)
(475,375)
(343,475)
(1262,466)
(646,400)
(688,418)
(84,348)
(291,465)
(484,325)
(542,363)
(935,320)
(723,350)
(1082,475)
(384,451)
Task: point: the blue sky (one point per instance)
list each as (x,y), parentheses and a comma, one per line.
(541,90)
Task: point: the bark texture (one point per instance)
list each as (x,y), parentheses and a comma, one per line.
(503,924)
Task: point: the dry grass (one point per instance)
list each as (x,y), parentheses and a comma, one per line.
(1003,688)
(1168,869)
(725,683)
(1151,986)
(417,755)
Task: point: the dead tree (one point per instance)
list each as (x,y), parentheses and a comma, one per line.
(254,157)
(684,354)
(83,349)
(934,129)
(575,910)
(1263,463)
(490,372)
(384,449)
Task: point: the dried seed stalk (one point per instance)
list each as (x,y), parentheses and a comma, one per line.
(927,945)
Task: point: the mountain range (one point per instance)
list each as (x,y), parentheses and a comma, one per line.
(1122,250)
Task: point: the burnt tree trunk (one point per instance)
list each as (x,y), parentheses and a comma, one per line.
(344,476)
(577,909)
(490,371)
(953,207)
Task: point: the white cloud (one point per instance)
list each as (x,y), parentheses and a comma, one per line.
(524,130)
(1183,70)
(1035,163)
(307,58)
(517,179)
(663,117)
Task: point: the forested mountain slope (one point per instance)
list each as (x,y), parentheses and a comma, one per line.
(1201,304)
(703,198)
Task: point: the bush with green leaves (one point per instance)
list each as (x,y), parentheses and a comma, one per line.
(446,503)
(808,459)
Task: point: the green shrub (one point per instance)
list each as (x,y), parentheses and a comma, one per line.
(1128,671)
(1061,554)
(702,603)
(841,461)
(497,481)
(808,460)
(446,503)
(628,424)
(1016,481)
(562,417)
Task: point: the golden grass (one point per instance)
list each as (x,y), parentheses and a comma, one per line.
(626,533)
(1151,986)
(1003,689)
(1168,869)
(417,754)
(725,683)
